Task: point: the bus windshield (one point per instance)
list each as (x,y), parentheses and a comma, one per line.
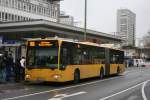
(42,57)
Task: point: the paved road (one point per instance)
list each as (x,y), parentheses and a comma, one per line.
(133,85)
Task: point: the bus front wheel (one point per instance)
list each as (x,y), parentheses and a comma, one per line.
(76,76)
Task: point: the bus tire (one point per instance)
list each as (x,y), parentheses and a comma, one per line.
(101,73)
(76,76)
(118,70)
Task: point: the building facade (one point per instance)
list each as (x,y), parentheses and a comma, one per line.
(66,19)
(22,10)
(126,26)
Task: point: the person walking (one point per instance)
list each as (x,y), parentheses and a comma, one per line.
(137,63)
(17,70)
(9,67)
(2,70)
(22,63)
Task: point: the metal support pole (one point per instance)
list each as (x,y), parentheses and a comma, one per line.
(85,19)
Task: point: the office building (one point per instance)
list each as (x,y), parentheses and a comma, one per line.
(21,10)
(66,19)
(126,25)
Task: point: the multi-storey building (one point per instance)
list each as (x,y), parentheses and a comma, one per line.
(66,19)
(126,23)
(20,10)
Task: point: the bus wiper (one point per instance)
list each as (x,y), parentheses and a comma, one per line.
(52,66)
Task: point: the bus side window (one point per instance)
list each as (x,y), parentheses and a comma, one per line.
(65,58)
(113,59)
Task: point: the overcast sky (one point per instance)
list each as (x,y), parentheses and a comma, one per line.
(102,13)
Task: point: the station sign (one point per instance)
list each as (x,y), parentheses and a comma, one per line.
(40,43)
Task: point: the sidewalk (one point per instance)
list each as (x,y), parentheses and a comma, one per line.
(10,87)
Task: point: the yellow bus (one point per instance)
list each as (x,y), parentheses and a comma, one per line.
(62,60)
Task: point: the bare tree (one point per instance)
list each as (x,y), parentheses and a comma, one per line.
(146,39)
(146,44)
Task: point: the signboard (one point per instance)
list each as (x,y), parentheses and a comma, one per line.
(40,43)
(43,43)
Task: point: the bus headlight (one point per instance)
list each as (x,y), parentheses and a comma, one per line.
(57,76)
(27,76)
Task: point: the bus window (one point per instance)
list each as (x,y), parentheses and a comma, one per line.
(42,57)
(116,57)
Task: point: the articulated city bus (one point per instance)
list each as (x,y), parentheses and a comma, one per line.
(62,60)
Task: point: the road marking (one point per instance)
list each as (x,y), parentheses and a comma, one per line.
(63,88)
(143,93)
(61,96)
(122,91)
(130,70)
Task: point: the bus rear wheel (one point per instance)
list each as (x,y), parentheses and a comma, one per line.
(76,77)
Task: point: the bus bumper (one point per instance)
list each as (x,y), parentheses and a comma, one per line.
(52,78)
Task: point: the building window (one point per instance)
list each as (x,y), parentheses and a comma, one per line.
(44,11)
(29,7)
(6,3)
(19,6)
(19,18)
(24,18)
(6,16)
(16,18)
(25,6)
(3,16)
(13,19)
(13,3)
(0,15)
(39,10)
(9,17)
(33,8)
(0,2)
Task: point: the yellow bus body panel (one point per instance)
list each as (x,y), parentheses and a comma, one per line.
(86,71)
(122,68)
(114,67)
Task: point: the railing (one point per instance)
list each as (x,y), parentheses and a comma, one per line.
(32,8)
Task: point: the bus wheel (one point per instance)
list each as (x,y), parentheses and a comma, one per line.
(118,71)
(101,73)
(76,76)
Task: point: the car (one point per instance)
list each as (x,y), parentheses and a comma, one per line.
(142,64)
(139,63)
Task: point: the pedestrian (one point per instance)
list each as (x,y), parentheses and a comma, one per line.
(17,69)
(127,62)
(9,67)
(2,70)
(137,63)
(22,63)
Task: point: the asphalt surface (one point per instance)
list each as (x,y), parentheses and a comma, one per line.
(134,84)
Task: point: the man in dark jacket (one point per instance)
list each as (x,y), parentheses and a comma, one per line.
(17,70)
(2,69)
(9,67)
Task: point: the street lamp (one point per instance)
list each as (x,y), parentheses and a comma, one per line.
(85,19)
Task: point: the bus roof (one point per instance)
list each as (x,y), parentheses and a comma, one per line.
(73,41)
